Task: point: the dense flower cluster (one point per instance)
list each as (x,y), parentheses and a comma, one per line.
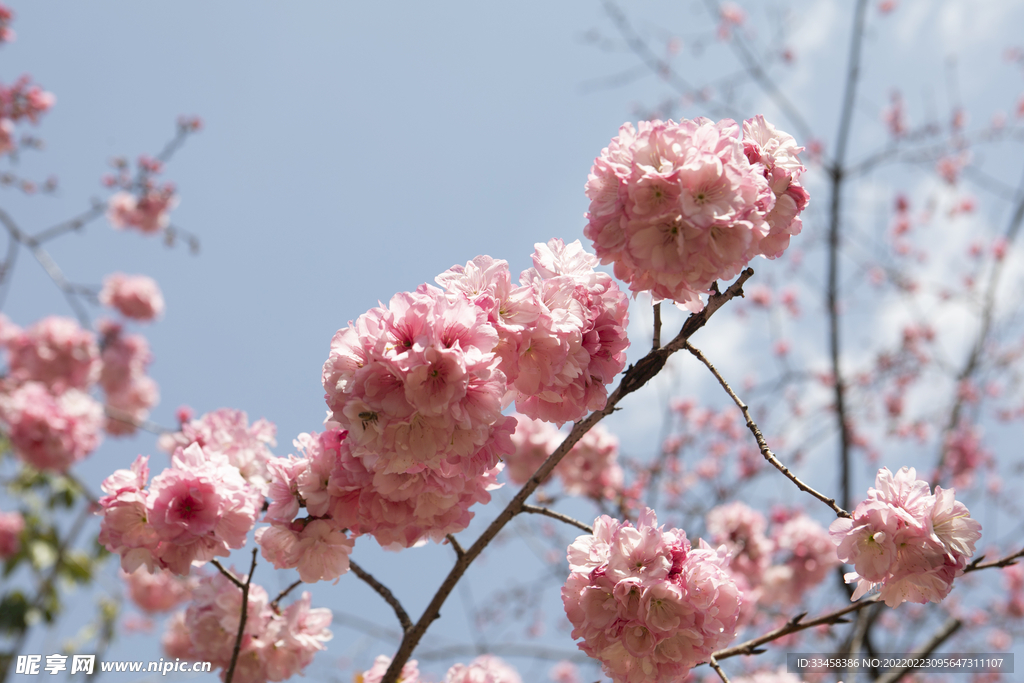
(483,669)
(130,392)
(194,511)
(275,645)
(48,431)
(228,431)
(56,352)
(11,526)
(375,674)
(136,296)
(648,606)
(590,469)
(805,554)
(677,206)
(906,541)
(21,101)
(159,591)
(561,333)
(148,213)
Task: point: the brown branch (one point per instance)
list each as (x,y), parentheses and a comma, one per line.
(634,377)
(761,443)
(384,592)
(538,510)
(456,546)
(281,596)
(939,637)
(241,622)
(231,576)
(713,663)
(1004,562)
(657,327)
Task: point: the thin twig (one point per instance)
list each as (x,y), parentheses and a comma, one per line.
(635,377)
(281,596)
(657,327)
(538,510)
(145,425)
(761,443)
(942,635)
(384,592)
(72,224)
(241,621)
(456,546)
(231,576)
(1005,562)
(718,669)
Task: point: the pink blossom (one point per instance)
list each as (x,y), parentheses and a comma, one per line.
(565,672)
(56,352)
(51,431)
(148,214)
(317,549)
(375,674)
(123,363)
(483,669)
(905,541)
(678,206)
(591,468)
(647,605)
(158,591)
(275,645)
(135,296)
(12,524)
(534,441)
(227,431)
(808,556)
(23,99)
(742,530)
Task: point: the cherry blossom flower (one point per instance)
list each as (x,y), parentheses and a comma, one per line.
(136,296)
(51,431)
(227,431)
(55,351)
(275,645)
(130,392)
(647,605)
(148,214)
(375,674)
(676,207)
(159,591)
(904,541)
(483,669)
(11,526)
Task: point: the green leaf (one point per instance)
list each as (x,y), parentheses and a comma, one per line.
(13,609)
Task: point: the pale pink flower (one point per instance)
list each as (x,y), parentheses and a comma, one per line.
(534,441)
(483,669)
(375,674)
(317,549)
(48,431)
(905,541)
(654,607)
(55,351)
(12,524)
(135,296)
(227,431)
(130,392)
(565,672)
(158,591)
(591,468)
(742,530)
(148,214)
(807,557)
(676,207)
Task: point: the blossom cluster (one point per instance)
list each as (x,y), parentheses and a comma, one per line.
(483,669)
(375,674)
(589,469)
(148,213)
(158,591)
(775,568)
(561,332)
(136,296)
(129,390)
(647,605)
(46,413)
(194,511)
(275,645)
(677,206)
(20,101)
(905,541)
(227,431)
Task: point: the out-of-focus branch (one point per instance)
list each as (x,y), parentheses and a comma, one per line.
(635,377)
(1004,562)
(538,510)
(72,224)
(283,594)
(759,437)
(938,638)
(145,425)
(384,592)
(241,621)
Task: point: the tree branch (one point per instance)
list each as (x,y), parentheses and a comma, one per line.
(456,546)
(713,663)
(538,510)
(231,576)
(384,592)
(939,637)
(281,596)
(634,377)
(657,327)
(245,613)
(761,443)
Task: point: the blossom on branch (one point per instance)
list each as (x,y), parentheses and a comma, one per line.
(904,541)
(51,431)
(136,296)
(483,669)
(647,605)
(375,674)
(677,206)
